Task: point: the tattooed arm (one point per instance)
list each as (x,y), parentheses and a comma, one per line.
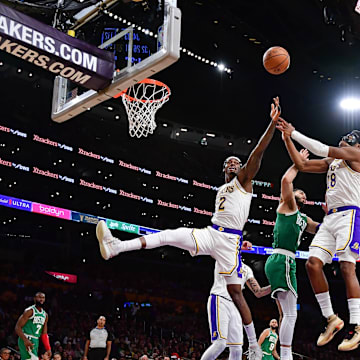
(258,291)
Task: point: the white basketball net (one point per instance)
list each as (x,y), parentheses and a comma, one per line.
(141,102)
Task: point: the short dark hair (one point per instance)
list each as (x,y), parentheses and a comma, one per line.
(57,353)
(4,349)
(297,189)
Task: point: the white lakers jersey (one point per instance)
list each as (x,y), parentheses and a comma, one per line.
(343,185)
(219,286)
(232,206)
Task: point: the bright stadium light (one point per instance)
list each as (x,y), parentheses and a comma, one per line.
(350,104)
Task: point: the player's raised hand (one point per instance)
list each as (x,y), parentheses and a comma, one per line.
(304,153)
(285,127)
(275,110)
(246,245)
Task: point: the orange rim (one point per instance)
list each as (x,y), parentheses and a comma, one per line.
(145,81)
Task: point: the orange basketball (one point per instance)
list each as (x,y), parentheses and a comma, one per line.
(276,60)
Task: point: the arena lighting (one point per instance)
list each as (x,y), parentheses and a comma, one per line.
(221,67)
(350,103)
(210,134)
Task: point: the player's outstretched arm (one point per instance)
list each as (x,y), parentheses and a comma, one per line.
(288,202)
(257,290)
(311,166)
(263,336)
(252,166)
(350,153)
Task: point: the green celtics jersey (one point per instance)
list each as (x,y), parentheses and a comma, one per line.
(288,230)
(35,324)
(269,343)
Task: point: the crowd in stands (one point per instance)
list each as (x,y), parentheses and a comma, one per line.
(153,316)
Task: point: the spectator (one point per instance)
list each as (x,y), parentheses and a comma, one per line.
(57,356)
(5,354)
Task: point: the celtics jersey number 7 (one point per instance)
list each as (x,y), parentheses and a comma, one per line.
(34,326)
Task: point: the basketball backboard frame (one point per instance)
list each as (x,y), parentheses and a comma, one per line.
(168,53)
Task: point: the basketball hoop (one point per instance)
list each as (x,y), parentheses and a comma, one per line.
(141,102)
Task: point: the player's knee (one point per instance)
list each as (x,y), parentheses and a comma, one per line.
(313,265)
(347,269)
(220,345)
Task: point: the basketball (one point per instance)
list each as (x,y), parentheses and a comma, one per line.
(276,60)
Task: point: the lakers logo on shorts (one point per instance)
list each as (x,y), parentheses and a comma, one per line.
(214,334)
(355,246)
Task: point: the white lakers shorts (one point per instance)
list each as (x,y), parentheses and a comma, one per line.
(223,247)
(224,320)
(338,234)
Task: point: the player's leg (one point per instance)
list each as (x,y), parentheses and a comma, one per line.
(235,291)
(280,312)
(321,252)
(235,352)
(24,355)
(347,232)
(287,302)
(348,271)
(218,317)
(226,251)
(235,334)
(183,238)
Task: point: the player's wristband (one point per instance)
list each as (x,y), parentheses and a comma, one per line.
(317,227)
(314,146)
(45,340)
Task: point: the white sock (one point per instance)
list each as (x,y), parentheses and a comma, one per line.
(181,238)
(250,332)
(123,246)
(214,350)
(354,310)
(285,353)
(287,302)
(325,304)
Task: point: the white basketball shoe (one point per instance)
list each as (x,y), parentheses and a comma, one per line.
(109,245)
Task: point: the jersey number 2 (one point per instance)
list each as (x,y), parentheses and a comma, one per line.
(221,205)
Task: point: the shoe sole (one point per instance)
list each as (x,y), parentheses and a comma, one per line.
(100,235)
(99,230)
(336,330)
(350,349)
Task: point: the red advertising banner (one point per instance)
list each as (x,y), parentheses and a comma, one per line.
(72,279)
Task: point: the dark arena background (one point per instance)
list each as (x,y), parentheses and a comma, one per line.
(58,179)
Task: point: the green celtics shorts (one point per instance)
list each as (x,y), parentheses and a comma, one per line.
(267,357)
(23,352)
(281,272)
